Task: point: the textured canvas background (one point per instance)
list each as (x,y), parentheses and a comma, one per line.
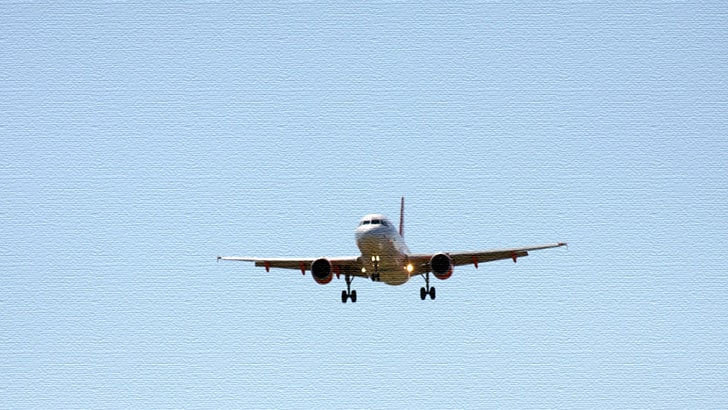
(141,140)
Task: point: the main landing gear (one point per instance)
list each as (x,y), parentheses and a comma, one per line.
(427,290)
(348,293)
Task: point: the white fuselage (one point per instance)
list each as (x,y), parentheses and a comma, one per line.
(383,250)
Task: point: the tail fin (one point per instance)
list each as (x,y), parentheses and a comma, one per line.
(401,219)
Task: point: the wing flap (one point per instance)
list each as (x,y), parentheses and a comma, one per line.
(475,257)
(349,265)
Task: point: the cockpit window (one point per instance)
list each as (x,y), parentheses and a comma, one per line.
(374,222)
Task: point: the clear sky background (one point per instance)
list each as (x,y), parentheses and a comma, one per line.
(140,141)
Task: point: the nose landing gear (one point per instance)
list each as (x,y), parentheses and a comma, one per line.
(375,276)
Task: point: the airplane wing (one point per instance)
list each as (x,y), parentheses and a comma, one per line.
(421,261)
(350,265)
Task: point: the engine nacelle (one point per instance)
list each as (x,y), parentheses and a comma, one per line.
(322,271)
(441,266)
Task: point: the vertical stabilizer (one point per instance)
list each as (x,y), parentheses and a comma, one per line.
(401,219)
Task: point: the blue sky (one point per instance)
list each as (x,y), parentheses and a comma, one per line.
(142,140)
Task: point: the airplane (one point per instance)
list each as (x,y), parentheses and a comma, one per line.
(386,258)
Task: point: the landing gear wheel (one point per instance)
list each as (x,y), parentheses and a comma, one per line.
(427,290)
(348,293)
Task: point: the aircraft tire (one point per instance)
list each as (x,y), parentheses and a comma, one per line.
(344,296)
(353,296)
(423,293)
(432,293)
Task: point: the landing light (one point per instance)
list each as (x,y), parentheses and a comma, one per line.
(363,270)
(410,268)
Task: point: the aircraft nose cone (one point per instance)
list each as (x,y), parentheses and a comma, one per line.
(369,241)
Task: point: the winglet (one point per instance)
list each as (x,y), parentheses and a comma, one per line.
(401,219)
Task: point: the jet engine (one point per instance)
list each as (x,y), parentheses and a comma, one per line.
(441,266)
(321,271)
